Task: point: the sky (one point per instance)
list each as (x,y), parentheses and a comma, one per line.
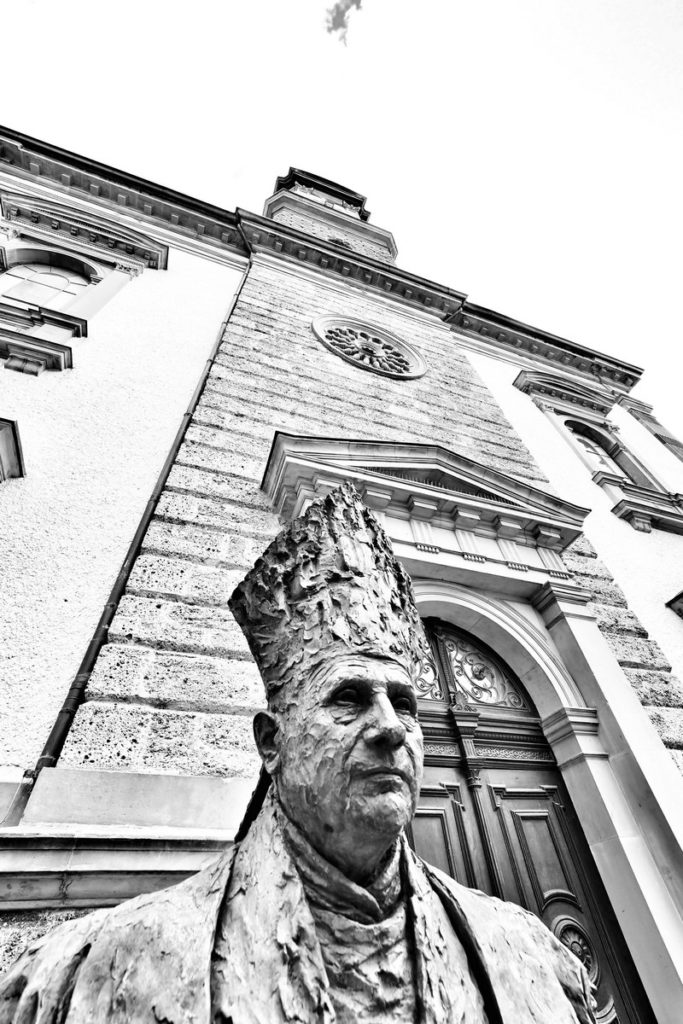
(526,152)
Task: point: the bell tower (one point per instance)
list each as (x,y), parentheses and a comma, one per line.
(322,208)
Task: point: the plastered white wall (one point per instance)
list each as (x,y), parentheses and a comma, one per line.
(647,566)
(94,441)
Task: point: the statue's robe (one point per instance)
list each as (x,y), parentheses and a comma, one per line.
(238,940)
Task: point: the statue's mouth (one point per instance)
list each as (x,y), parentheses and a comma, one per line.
(384,772)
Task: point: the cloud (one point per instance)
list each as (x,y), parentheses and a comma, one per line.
(338,17)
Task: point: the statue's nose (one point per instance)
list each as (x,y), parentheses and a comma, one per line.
(386,728)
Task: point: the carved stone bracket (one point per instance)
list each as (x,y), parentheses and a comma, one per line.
(646,509)
(24,349)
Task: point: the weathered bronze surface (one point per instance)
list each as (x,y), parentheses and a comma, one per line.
(321,913)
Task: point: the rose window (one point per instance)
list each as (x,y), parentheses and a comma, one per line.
(369,347)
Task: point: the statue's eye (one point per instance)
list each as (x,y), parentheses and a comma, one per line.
(404,705)
(348,695)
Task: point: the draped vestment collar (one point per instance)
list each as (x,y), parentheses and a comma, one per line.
(327,887)
(281,885)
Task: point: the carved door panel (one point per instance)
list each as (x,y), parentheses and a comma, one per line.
(442,835)
(548,870)
(540,862)
(495,815)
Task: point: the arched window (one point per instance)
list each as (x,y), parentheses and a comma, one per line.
(54,287)
(606,452)
(469,674)
(44,295)
(597,456)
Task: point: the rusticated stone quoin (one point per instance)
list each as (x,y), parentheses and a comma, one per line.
(642,660)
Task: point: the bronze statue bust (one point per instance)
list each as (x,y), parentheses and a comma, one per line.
(321,912)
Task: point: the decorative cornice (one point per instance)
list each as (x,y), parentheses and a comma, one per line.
(566,394)
(499,331)
(33,160)
(69,173)
(97,236)
(262,235)
(442,477)
(27,315)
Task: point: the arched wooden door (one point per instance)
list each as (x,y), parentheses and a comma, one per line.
(495,815)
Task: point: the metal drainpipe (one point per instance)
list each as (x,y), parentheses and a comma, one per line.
(76,694)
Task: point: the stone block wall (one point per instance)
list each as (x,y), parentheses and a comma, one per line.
(174,689)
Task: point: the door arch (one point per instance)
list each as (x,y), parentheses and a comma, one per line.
(494,812)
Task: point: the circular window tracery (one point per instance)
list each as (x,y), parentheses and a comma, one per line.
(573,936)
(369,347)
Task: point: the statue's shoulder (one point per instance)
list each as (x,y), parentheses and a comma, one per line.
(517,948)
(145,960)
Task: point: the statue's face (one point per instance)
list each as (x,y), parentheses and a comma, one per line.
(349,760)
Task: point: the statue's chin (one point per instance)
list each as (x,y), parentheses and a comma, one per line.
(382,814)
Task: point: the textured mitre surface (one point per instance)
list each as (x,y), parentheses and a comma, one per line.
(329,579)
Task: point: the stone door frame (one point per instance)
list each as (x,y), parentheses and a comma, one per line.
(621,779)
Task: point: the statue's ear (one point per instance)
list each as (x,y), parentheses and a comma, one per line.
(267,736)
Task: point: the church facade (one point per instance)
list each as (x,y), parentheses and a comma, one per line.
(179,380)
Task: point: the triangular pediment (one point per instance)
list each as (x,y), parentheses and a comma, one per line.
(421,482)
(439,479)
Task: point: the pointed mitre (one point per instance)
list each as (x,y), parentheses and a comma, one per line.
(329,584)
